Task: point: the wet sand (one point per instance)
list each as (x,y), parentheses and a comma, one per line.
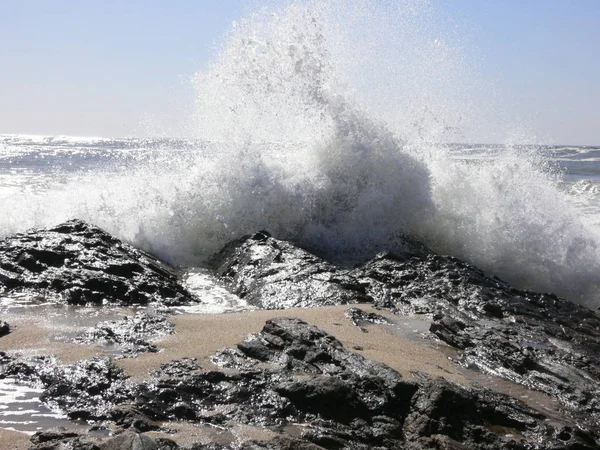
(201,335)
(34,337)
(13,440)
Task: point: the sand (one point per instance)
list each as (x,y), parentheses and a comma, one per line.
(13,440)
(35,337)
(201,335)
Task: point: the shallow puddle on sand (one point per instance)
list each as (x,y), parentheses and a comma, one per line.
(21,409)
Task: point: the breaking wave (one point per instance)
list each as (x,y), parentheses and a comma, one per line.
(324,123)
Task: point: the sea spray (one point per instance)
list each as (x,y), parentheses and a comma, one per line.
(325,123)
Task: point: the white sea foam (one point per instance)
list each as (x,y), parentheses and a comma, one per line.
(321,123)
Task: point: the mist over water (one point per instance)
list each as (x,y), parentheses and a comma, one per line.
(324,123)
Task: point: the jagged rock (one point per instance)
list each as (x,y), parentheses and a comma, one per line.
(61,438)
(538,340)
(273,274)
(278,443)
(78,263)
(135,441)
(4,328)
(128,417)
(178,367)
(292,373)
(86,390)
(343,400)
(541,341)
(130,334)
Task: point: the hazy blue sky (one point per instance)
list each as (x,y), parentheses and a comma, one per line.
(108,67)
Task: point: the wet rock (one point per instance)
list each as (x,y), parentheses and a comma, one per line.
(540,341)
(294,376)
(61,438)
(273,274)
(278,443)
(293,373)
(128,417)
(537,340)
(179,367)
(4,328)
(130,335)
(415,283)
(78,263)
(86,390)
(359,317)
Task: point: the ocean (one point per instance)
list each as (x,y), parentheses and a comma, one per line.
(326,124)
(530,215)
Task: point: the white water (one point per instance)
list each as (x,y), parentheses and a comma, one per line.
(321,122)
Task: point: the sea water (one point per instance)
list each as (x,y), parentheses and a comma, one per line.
(130,187)
(333,125)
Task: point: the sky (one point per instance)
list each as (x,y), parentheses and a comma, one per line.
(119,68)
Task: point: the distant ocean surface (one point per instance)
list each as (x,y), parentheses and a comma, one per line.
(33,163)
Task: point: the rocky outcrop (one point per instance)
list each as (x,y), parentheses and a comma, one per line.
(292,378)
(129,336)
(79,264)
(86,390)
(61,439)
(273,274)
(359,317)
(307,388)
(541,341)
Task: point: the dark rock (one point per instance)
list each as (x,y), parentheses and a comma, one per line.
(178,368)
(52,435)
(130,335)
(278,443)
(293,374)
(86,390)
(319,394)
(91,386)
(4,328)
(273,274)
(128,417)
(131,441)
(345,401)
(61,438)
(78,263)
(537,340)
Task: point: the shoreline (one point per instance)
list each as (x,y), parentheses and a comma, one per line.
(395,342)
